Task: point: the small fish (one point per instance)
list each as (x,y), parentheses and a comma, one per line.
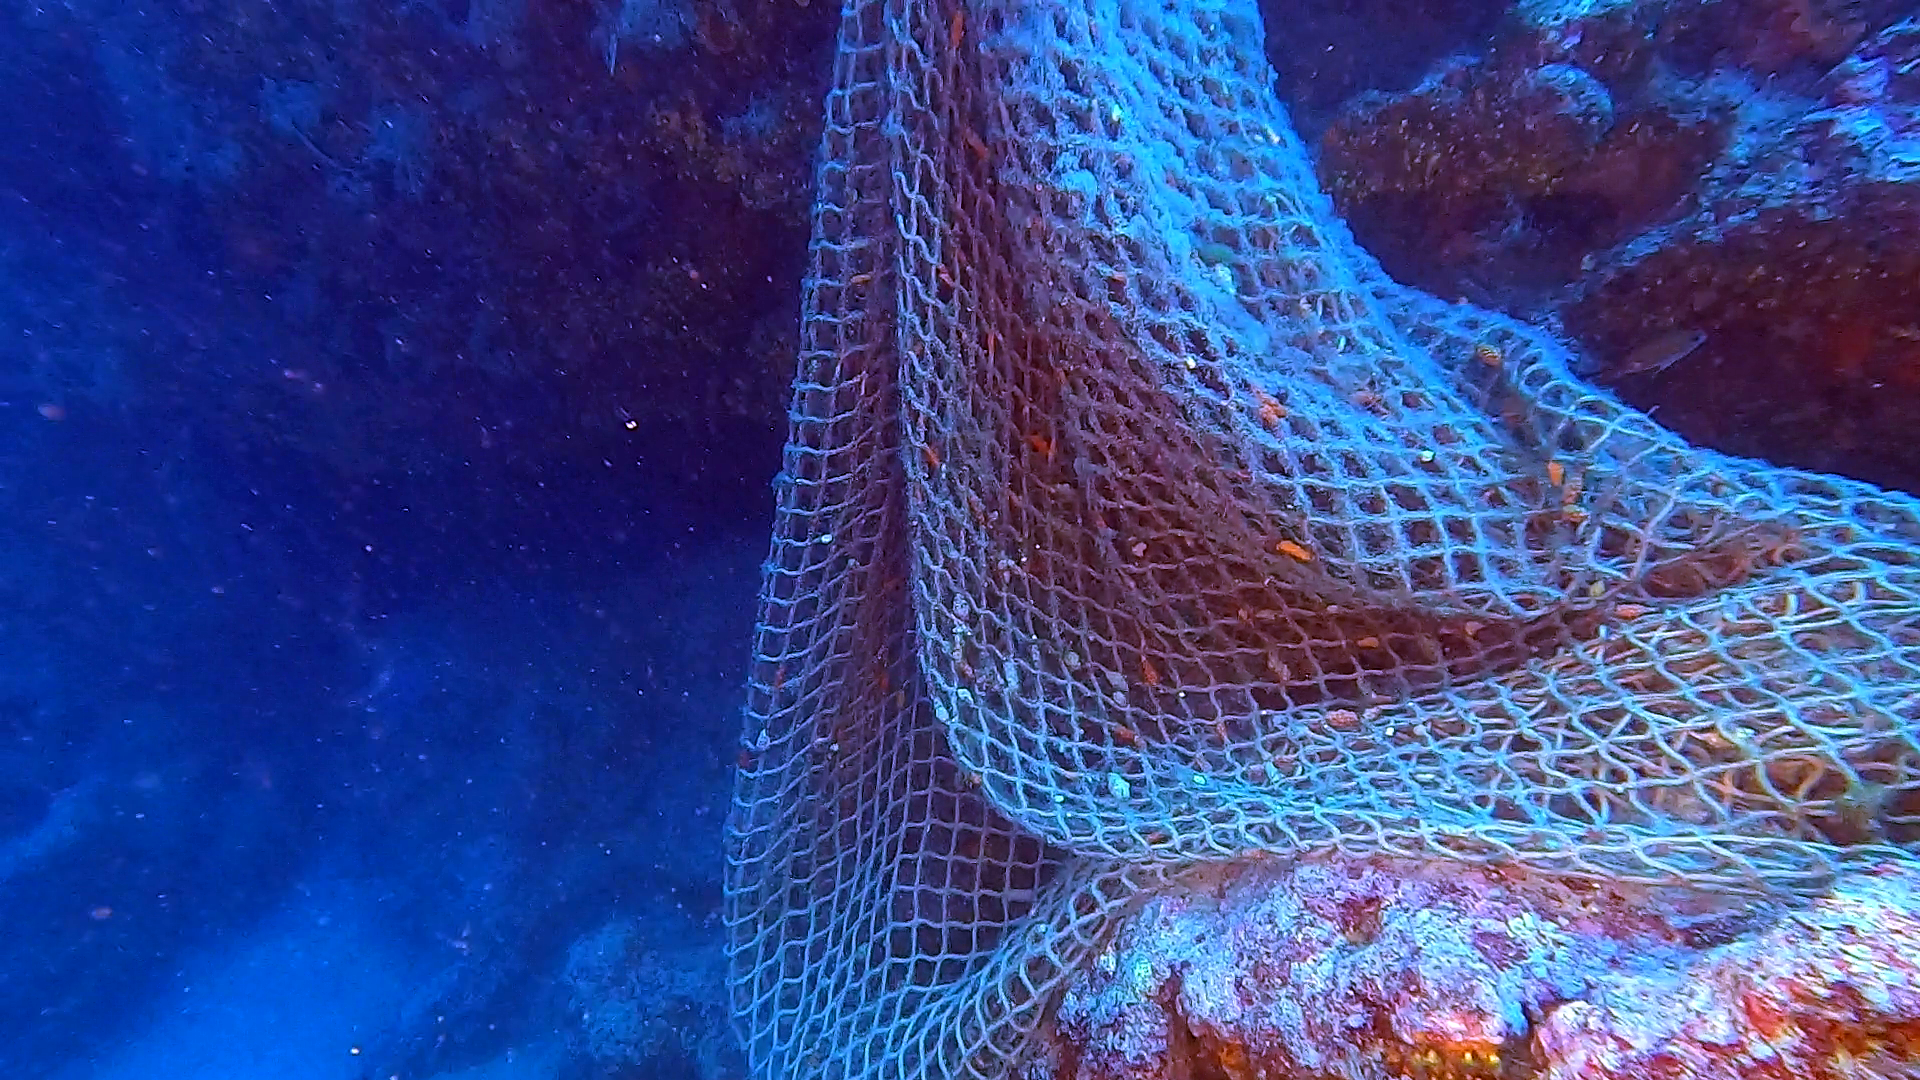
(1657,353)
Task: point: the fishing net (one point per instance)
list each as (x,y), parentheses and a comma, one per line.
(1132,520)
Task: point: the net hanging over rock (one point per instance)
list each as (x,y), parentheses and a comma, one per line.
(1132,520)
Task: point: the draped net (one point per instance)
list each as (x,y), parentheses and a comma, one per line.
(1132,520)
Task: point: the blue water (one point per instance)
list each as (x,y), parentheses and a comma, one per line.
(383,482)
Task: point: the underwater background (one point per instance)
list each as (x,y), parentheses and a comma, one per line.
(390,395)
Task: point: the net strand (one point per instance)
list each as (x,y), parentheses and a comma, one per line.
(1132,520)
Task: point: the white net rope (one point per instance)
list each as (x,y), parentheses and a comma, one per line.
(1131,519)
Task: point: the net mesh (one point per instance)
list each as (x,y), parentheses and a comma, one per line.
(1131,519)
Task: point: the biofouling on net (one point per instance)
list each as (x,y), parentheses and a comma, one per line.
(1140,544)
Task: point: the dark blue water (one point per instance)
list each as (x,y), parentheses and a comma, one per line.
(384,473)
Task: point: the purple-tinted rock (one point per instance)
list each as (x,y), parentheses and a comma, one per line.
(1349,968)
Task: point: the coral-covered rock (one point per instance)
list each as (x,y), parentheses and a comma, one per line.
(1500,171)
(1823,993)
(644,994)
(1795,264)
(1380,968)
(1716,198)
